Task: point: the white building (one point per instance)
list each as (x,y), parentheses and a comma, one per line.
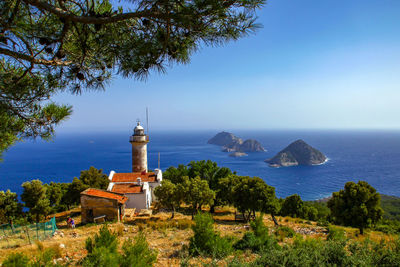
(139,184)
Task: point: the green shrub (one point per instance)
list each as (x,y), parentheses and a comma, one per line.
(335,233)
(105,238)
(323,223)
(205,240)
(101,257)
(258,239)
(45,257)
(137,253)
(102,250)
(16,260)
(309,252)
(388,226)
(283,232)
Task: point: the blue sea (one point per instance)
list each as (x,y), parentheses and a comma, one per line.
(372,156)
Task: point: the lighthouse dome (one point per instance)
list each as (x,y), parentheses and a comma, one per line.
(139,130)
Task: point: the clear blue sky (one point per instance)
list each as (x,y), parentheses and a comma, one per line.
(315,64)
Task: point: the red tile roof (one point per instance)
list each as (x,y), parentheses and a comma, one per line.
(132,177)
(127,189)
(104,194)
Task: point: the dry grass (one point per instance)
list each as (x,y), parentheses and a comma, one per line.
(170,237)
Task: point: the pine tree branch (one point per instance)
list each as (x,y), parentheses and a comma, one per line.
(89,19)
(33,60)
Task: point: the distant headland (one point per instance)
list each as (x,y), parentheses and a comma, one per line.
(232,143)
(297,153)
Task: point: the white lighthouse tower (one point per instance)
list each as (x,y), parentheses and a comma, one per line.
(139,142)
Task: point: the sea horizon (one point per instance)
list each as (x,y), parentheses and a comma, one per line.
(370,155)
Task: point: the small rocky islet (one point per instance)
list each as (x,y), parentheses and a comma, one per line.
(232,143)
(297,153)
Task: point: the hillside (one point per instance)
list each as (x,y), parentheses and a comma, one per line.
(391,207)
(170,238)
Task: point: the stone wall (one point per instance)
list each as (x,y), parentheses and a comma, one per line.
(92,207)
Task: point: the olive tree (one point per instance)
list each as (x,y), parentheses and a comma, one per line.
(168,196)
(253,194)
(197,193)
(357,205)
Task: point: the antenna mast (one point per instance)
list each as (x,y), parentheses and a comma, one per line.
(147,120)
(159,160)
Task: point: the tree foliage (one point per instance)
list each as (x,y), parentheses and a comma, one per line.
(48,46)
(94,178)
(206,170)
(358,205)
(168,196)
(292,206)
(34,196)
(197,193)
(253,194)
(9,205)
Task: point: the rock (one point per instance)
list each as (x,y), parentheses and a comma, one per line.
(232,143)
(225,139)
(251,145)
(227,149)
(237,154)
(297,153)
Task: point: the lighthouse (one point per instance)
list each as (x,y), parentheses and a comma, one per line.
(138,186)
(139,142)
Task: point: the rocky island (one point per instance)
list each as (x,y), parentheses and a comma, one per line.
(232,143)
(297,153)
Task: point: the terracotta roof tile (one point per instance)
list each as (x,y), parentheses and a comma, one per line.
(132,177)
(104,194)
(127,189)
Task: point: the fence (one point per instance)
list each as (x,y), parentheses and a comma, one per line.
(18,235)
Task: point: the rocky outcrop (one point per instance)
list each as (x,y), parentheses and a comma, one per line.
(232,143)
(251,145)
(297,153)
(225,139)
(237,154)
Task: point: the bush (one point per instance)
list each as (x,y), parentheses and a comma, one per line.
(102,250)
(388,226)
(257,240)
(309,252)
(16,260)
(335,233)
(205,240)
(101,257)
(105,238)
(283,232)
(45,257)
(137,253)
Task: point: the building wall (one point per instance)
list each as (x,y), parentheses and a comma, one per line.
(99,207)
(152,187)
(138,201)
